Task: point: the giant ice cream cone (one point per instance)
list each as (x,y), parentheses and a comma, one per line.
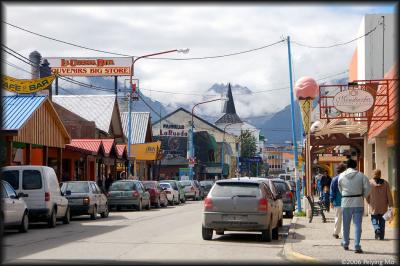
(305,107)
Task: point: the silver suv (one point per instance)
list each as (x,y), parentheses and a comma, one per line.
(241,204)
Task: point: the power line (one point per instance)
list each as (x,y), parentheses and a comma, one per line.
(152,58)
(337,44)
(15,66)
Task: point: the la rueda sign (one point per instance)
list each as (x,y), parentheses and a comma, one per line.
(90,66)
(353,101)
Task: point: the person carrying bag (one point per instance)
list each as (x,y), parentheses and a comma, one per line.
(379,199)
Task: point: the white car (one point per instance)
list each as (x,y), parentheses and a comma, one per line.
(172,194)
(14,212)
(43,195)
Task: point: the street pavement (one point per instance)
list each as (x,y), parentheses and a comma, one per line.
(171,234)
(313,242)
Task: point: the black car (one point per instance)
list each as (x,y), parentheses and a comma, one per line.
(206,185)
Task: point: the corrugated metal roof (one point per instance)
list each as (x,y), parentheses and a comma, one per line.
(107,144)
(120,149)
(90,145)
(139,124)
(18,109)
(97,108)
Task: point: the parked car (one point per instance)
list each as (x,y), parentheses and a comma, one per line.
(287,196)
(241,204)
(285,177)
(177,186)
(128,193)
(206,185)
(14,212)
(158,197)
(172,194)
(277,197)
(85,198)
(191,189)
(44,198)
(292,187)
(201,189)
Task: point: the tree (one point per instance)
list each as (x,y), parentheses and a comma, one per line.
(247,144)
(248,149)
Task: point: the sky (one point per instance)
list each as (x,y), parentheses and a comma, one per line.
(207,30)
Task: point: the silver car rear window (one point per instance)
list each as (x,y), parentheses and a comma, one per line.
(235,189)
(76,187)
(122,186)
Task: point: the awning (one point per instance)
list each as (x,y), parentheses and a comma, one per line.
(145,152)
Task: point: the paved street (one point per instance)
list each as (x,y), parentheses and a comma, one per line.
(159,235)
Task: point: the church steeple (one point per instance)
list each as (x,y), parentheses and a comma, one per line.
(230,115)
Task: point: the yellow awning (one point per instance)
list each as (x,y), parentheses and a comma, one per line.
(146,151)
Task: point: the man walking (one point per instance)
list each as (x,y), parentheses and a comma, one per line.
(353,185)
(379,200)
(336,200)
(325,184)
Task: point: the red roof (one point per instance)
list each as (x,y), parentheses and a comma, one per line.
(108,144)
(120,149)
(378,126)
(85,145)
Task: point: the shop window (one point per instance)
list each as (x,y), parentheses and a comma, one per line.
(373,156)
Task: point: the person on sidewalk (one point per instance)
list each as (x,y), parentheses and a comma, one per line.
(336,200)
(318,181)
(379,199)
(353,185)
(326,181)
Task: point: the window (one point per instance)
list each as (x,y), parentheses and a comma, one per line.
(122,186)
(12,177)
(234,189)
(373,156)
(31,179)
(10,191)
(3,192)
(77,187)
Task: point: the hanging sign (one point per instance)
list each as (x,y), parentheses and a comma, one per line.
(353,101)
(90,66)
(25,86)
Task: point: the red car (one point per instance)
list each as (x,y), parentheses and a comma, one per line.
(158,197)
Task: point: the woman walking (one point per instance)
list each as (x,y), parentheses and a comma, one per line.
(379,199)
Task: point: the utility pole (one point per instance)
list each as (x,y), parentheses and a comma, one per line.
(293,127)
(383,46)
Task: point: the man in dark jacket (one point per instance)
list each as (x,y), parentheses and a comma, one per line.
(325,185)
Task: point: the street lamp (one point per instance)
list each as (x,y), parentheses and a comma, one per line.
(191,142)
(223,150)
(185,51)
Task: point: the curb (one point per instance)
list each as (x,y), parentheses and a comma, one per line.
(288,251)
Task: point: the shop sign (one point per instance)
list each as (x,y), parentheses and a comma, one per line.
(353,101)
(336,159)
(173,130)
(25,86)
(146,151)
(250,159)
(89,66)
(213,170)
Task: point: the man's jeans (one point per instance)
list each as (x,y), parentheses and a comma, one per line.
(355,213)
(338,220)
(378,223)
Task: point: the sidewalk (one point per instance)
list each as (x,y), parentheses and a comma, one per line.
(313,242)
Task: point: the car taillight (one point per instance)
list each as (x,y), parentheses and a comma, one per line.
(208,204)
(135,194)
(263,205)
(47,196)
(289,194)
(86,201)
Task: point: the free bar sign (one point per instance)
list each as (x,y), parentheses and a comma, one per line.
(353,101)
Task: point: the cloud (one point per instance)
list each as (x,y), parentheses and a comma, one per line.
(139,29)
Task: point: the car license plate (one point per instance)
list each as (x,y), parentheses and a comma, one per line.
(234,217)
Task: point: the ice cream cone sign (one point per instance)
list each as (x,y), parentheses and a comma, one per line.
(305,90)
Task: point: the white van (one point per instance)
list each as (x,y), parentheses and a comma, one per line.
(41,190)
(285,177)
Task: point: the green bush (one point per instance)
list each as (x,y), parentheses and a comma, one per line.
(300,214)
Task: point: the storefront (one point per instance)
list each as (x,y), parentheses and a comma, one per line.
(145,157)
(33,131)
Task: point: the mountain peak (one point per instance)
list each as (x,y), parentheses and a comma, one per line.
(223,88)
